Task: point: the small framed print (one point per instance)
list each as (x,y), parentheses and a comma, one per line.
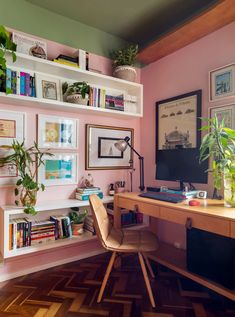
(226,113)
(222,82)
(12,127)
(59,169)
(57,132)
(8,172)
(47,87)
(101,153)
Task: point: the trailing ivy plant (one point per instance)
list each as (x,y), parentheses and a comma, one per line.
(26,161)
(6,45)
(219,145)
(125,56)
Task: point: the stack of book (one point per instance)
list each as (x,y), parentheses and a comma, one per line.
(42,231)
(97,97)
(19,233)
(20,83)
(67,60)
(62,227)
(84,193)
(89,225)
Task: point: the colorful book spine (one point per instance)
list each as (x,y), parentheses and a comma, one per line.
(84,197)
(27,84)
(14,81)
(22,84)
(8,79)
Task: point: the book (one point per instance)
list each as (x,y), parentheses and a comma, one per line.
(27,84)
(14,81)
(8,79)
(87,189)
(22,84)
(86,196)
(67,63)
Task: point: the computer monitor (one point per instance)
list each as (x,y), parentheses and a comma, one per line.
(181,165)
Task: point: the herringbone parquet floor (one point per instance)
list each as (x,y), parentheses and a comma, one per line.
(71,290)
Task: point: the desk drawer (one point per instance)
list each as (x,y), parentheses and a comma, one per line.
(147,209)
(207,223)
(233,229)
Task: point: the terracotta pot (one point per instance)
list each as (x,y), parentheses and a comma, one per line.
(125,72)
(77,98)
(77,229)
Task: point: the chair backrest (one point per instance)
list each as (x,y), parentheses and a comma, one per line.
(101,219)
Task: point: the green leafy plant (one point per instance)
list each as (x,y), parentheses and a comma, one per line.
(26,162)
(125,56)
(6,45)
(76,217)
(219,145)
(80,87)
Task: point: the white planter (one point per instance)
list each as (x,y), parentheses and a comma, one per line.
(77,98)
(125,72)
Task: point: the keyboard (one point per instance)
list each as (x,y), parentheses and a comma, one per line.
(171,198)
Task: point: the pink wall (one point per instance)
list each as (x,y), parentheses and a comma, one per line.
(101,178)
(183,71)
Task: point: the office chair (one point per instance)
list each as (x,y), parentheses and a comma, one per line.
(122,241)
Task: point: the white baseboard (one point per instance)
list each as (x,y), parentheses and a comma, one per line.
(10,276)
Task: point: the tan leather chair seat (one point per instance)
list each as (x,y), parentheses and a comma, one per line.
(131,241)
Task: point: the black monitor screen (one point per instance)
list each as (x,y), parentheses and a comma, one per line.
(181,165)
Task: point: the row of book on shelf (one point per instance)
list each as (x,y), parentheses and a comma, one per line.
(24,232)
(128,217)
(24,83)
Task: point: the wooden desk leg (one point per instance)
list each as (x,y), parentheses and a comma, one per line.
(117,214)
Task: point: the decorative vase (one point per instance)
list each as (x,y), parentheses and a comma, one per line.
(229,189)
(125,72)
(77,98)
(27,197)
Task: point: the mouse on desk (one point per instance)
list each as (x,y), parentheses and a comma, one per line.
(194,203)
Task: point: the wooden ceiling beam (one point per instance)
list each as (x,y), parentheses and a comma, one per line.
(207,22)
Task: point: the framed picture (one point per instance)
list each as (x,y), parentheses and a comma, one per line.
(177,122)
(29,45)
(221,82)
(47,87)
(226,113)
(101,152)
(12,127)
(8,173)
(60,169)
(57,132)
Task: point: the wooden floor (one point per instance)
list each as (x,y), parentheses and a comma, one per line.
(71,290)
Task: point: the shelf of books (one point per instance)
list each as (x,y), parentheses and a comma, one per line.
(50,228)
(36,82)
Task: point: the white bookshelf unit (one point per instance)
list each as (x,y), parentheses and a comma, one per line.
(71,74)
(44,211)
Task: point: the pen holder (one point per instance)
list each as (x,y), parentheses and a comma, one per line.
(120,190)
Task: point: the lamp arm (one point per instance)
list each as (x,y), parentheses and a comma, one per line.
(134,150)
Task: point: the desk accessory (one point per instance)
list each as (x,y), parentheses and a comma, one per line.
(122,146)
(202,194)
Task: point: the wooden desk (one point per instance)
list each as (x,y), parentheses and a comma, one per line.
(210,216)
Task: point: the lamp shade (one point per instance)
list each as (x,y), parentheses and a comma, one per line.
(122,144)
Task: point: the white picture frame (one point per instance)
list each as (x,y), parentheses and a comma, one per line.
(225,112)
(12,127)
(47,87)
(59,169)
(8,173)
(222,82)
(101,154)
(29,45)
(57,132)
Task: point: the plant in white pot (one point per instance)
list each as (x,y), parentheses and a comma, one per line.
(123,62)
(219,145)
(77,92)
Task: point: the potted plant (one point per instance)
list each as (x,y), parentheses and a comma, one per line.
(77,92)
(77,220)
(219,145)
(6,45)
(27,162)
(123,62)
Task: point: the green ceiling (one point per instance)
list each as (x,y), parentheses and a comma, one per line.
(139,21)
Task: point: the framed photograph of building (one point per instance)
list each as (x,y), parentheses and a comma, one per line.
(12,127)
(222,82)
(226,113)
(47,87)
(177,122)
(57,132)
(101,152)
(59,169)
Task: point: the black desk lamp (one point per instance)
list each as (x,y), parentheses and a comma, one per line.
(121,146)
